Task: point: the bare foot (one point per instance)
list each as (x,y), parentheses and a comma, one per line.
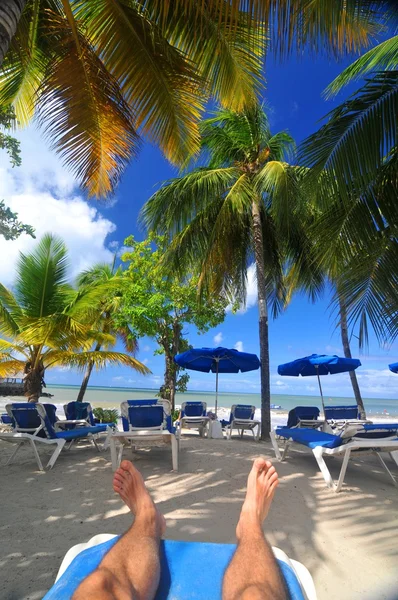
(129,484)
(261,485)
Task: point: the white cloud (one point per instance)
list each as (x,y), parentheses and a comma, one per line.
(146,348)
(41,192)
(239,346)
(145,361)
(218,338)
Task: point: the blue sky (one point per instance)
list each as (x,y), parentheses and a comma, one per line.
(46,196)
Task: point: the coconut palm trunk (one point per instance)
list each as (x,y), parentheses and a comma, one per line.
(86,377)
(263,321)
(10,13)
(33,380)
(347,353)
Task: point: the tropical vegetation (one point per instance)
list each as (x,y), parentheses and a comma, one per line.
(159,307)
(10,227)
(45,321)
(237,209)
(98,74)
(353,162)
(107,316)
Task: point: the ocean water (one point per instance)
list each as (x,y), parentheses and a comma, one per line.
(111,397)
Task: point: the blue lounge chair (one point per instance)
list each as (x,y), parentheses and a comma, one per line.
(193,416)
(182,571)
(81,413)
(34,426)
(144,422)
(322,443)
(242,419)
(305,416)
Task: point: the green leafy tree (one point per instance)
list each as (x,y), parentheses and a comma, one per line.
(103,318)
(44,320)
(10,227)
(159,307)
(237,209)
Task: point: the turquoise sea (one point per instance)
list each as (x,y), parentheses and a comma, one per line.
(113,396)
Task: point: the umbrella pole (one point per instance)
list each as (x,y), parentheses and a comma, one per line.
(215,410)
(320,389)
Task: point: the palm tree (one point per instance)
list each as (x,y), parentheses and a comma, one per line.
(236,210)
(98,74)
(107,317)
(353,162)
(44,320)
(311,274)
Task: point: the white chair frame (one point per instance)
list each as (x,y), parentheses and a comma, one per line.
(352,448)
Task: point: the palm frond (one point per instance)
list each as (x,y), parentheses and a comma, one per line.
(367,121)
(9,312)
(99,359)
(161,85)
(172,207)
(384,57)
(25,63)
(83,113)
(334,26)
(41,278)
(10,366)
(228,56)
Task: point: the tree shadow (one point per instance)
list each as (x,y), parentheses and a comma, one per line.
(43,514)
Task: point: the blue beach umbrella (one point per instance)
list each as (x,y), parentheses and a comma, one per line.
(217,360)
(393,367)
(319,364)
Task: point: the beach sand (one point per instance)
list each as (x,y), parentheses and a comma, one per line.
(348,541)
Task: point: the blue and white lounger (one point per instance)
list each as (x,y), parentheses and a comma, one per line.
(193,416)
(322,443)
(191,570)
(34,426)
(304,416)
(81,413)
(242,419)
(144,422)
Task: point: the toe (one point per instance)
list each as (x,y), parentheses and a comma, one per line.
(259,464)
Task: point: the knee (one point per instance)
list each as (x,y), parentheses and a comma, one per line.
(256,592)
(97,585)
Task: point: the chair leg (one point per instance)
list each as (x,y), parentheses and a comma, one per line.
(56,453)
(318,453)
(258,432)
(94,441)
(386,468)
(35,452)
(112,444)
(174,453)
(275,445)
(13,455)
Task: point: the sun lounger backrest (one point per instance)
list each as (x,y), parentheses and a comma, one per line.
(46,421)
(242,411)
(25,415)
(193,409)
(79,410)
(309,413)
(339,413)
(146,416)
(124,409)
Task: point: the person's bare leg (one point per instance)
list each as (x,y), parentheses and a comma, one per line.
(253,573)
(131,569)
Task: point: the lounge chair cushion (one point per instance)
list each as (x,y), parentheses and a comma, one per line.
(310,437)
(79,432)
(183,574)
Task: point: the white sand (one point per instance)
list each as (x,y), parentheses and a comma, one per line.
(348,541)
